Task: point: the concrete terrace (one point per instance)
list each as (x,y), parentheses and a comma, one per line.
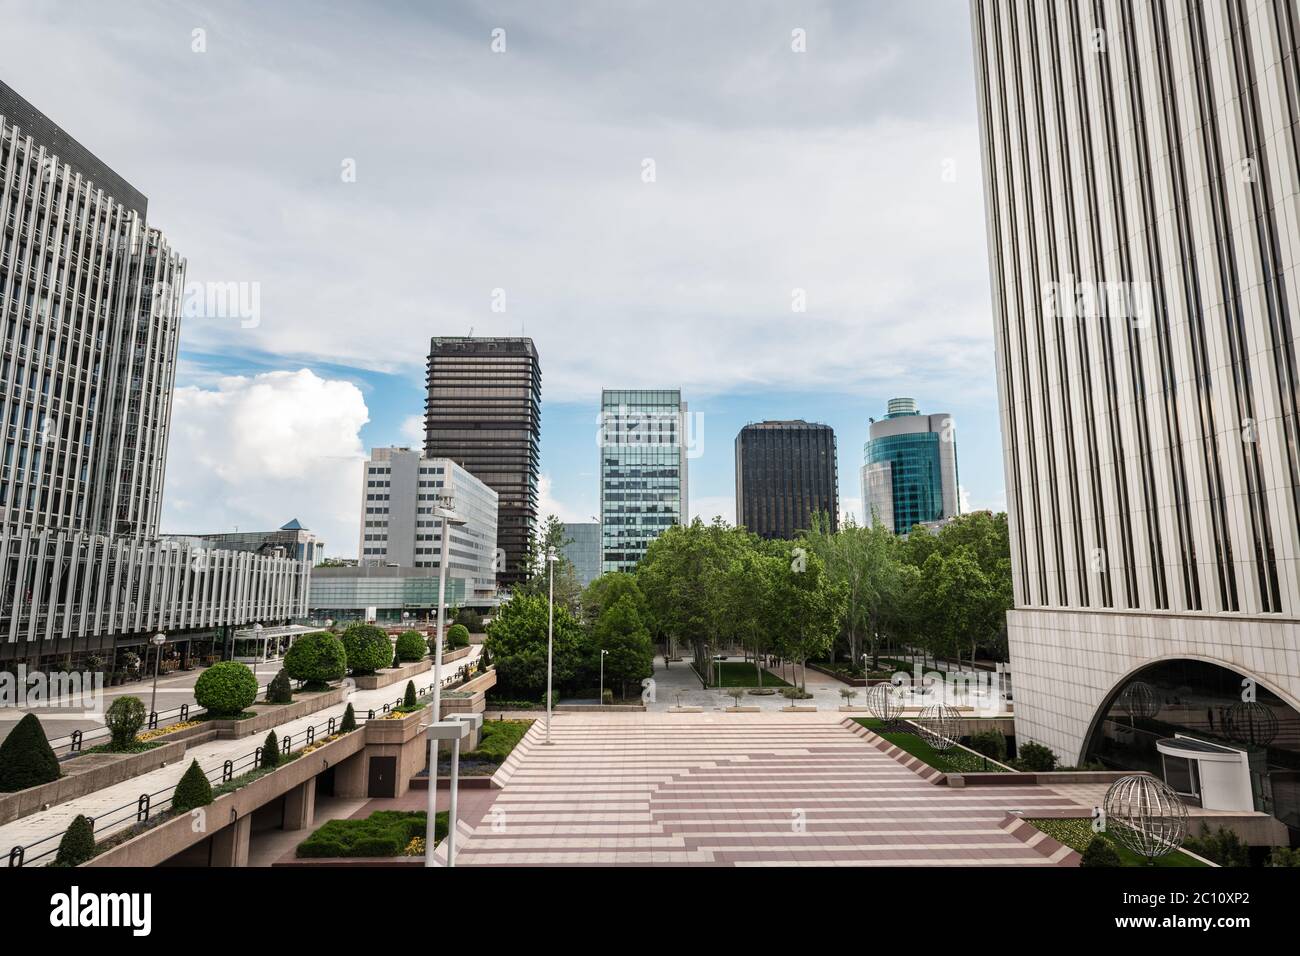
(743,790)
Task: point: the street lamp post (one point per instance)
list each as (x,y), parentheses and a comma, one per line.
(158,640)
(257,648)
(602,677)
(551,557)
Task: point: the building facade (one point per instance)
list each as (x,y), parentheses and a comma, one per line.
(582,550)
(90,298)
(290,540)
(643,438)
(401,494)
(786,472)
(909,472)
(1141,167)
(483,411)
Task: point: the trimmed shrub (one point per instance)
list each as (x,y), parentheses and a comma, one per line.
(226,689)
(367,648)
(193,791)
(78,843)
(1036,758)
(411,646)
(280,691)
(349,721)
(316,659)
(408,699)
(1099,852)
(991,743)
(397,660)
(1223,846)
(124,718)
(457,636)
(270,751)
(26,757)
(383,833)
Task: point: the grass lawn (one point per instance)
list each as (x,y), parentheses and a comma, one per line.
(744,674)
(954,761)
(1076,833)
(383,833)
(497,739)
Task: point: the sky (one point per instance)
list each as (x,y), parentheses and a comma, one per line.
(774,206)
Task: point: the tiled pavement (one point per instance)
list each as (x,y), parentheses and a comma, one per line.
(744,790)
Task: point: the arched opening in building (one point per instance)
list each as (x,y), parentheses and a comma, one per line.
(1185,698)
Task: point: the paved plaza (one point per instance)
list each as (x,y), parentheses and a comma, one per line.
(743,790)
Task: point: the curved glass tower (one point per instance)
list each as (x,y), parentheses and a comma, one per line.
(909,472)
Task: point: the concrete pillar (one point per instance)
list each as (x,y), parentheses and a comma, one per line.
(350,776)
(230,844)
(300,806)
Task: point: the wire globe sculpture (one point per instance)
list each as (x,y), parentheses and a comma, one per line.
(940,726)
(884,703)
(1138,700)
(1250,722)
(1145,815)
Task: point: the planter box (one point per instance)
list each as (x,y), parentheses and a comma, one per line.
(86,774)
(798,709)
(850,709)
(597,708)
(164,841)
(270,716)
(743,710)
(392,675)
(685,710)
(471,696)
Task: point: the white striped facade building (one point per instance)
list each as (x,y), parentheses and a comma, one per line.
(1142,192)
(90,298)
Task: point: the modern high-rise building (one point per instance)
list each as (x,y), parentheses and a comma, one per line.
(582,550)
(1141,177)
(90,298)
(290,540)
(483,411)
(644,445)
(786,472)
(909,475)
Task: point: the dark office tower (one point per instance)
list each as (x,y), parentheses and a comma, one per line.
(484,412)
(785,473)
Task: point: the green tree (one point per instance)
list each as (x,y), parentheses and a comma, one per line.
(621,631)
(349,721)
(124,718)
(279,691)
(193,791)
(607,590)
(550,537)
(270,751)
(26,758)
(316,659)
(408,698)
(367,648)
(516,641)
(809,608)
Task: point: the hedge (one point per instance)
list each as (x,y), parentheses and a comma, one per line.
(226,689)
(383,833)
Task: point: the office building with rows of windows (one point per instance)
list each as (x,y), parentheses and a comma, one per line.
(1142,188)
(786,472)
(90,299)
(644,445)
(909,475)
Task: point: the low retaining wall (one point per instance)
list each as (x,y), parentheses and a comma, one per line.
(393,675)
(471,696)
(270,716)
(86,774)
(598,708)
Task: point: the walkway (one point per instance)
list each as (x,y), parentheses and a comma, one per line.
(738,789)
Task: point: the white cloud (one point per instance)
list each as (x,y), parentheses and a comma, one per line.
(851,507)
(413,430)
(548,505)
(707,507)
(253,452)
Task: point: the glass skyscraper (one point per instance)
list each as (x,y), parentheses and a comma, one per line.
(643,450)
(785,474)
(582,549)
(909,472)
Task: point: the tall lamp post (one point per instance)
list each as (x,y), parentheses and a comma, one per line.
(448,516)
(551,558)
(158,640)
(602,676)
(257,647)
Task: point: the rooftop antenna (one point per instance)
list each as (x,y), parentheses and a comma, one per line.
(471,331)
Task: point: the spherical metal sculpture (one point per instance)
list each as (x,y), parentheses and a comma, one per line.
(1145,815)
(940,726)
(884,703)
(1250,722)
(1138,700)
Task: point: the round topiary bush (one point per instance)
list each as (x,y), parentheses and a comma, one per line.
(124,718)
(990,743)
(26,758)
(367,648)
(1036,758)
(411,646)
(78,843)
(316,659)
(457,636)
(193,791)
(226,689)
